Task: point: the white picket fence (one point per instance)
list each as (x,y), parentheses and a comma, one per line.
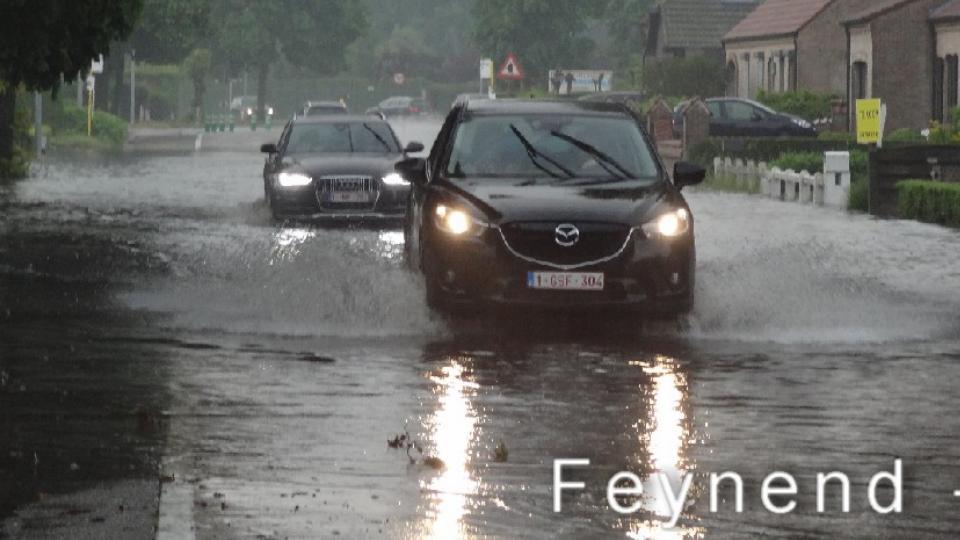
(829,188)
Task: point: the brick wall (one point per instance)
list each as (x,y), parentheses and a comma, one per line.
(903,64)
(822,48)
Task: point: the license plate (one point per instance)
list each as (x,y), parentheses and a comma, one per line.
(565,281)
(348,197)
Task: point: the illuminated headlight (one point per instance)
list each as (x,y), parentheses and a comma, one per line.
(293,179)
(669,225)
(457,222)
(394,179)
(270,111)
(249,112)
(802,123)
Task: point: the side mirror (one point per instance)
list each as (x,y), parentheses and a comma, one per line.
(268,148)
(413,148)
(687,174)
(413,169)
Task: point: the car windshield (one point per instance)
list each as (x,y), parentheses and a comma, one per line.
(570,146)
(319,110)
(342,138)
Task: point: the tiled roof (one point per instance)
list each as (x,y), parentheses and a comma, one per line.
(777,18)
(700,23)
(875,10)
(950,10)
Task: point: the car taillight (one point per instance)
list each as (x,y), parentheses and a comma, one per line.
(414,110)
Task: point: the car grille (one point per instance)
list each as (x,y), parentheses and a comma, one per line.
(331,187)
(537,241)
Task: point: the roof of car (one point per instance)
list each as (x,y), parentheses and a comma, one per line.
(526,106)
(339,119)
(325,104)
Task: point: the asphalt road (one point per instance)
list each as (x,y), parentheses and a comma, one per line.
(172,361)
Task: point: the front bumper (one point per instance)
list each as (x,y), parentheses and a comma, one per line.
(648,274)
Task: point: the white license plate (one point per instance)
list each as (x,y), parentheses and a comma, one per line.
(349,197)
(565,281)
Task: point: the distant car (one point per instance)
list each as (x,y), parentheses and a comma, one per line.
(317,108)
(336,168)
(737,117)
(242,108)
(634,100)
(401,106)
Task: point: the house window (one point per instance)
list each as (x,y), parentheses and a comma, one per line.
(858,80)
(772,75)
(732,79)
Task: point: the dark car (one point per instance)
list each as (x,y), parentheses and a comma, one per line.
(401,106)
(550,204)
(336,168)
(634,100)
(319,108)
(736,117)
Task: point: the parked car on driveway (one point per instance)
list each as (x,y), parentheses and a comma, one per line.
(336,168)
(634,100)
(737,117)
(401,106)
(550,204)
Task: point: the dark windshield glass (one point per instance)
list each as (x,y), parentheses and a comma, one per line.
(342,138)
(550,146)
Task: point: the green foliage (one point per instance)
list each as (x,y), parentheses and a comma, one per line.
(931,202)
(802,103)
(904,135)
(762,148)
(66,119)
(693,76)
(169,29)
(544,34)
(859,194)
(626,22)
(837,136)
(812,162)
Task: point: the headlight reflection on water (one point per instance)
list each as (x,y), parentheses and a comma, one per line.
(452,430)
(287,243)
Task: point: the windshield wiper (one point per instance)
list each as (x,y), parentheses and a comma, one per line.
(377,135)
(609,164)
(533,154)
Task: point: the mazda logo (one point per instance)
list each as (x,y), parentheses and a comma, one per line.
(566,235)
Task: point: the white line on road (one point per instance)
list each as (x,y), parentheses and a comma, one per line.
(176,511)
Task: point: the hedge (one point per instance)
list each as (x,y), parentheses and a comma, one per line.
(928,201)
(802,103)
(762,148)
(69,119)
(812,162)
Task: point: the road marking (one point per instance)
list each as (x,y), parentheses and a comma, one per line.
(176,510)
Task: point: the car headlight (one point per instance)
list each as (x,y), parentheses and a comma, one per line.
(458,222)
(293,179)
(395,180)
(249,111)
(669,225)
(270,111)
(802,123)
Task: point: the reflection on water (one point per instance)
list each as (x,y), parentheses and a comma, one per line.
(452,430)
(287,243)
(665,434)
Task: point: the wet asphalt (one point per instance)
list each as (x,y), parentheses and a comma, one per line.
(173,361)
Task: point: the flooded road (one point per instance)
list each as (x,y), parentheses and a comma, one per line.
(171,358)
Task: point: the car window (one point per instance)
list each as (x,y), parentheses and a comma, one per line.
(714,108)
(490,146)
(325,109)
(739,111)
(342,137)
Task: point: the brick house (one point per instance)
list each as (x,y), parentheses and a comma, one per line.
(785,45)
(891,52)
(946,29)
(682,28)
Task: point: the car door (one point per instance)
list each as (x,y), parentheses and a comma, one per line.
(418,191)
(716,117)
(742,119)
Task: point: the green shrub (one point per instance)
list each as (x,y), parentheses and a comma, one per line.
(692,76)
(905,135)
(802,103)
(928,201)
(761,148)
(837,136)
(859,194)
(68,119)
(811,162)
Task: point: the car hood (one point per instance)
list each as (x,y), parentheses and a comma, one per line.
(503,201)
(333,164)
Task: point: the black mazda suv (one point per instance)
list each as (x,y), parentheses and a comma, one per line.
(550,204)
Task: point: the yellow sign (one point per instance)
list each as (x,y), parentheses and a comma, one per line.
(868,121)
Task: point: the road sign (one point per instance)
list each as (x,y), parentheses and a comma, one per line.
(399,79)
(97,65)
(511,70)
(486,68)
(868,121)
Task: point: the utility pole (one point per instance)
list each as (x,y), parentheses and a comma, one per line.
(133,85)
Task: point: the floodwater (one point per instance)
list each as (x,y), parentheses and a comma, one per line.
(166,348)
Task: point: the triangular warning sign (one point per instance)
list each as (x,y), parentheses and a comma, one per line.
(511,70)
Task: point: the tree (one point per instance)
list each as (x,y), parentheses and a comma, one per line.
(544,34)
(626,22)
(197,67)
(44,41)
(307,33)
